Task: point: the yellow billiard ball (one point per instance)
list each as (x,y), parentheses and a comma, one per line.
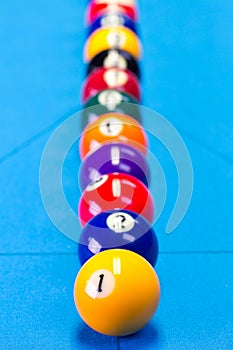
(116,292)
(112,38)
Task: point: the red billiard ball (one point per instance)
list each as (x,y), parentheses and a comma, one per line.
(100,7)
(115,191)
(111,78)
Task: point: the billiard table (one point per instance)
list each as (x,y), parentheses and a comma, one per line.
(186,78)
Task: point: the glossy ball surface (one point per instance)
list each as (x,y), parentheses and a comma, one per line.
(111,20)
(112,38)
(116,292)
(114,58)
(115,191)
(113,157)
(118,229)
(111,78)
(96,9)
(112,127)
(107,101)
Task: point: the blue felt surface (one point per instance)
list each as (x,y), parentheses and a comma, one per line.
(41,66)
(188,52)
(187,77)
(195,311)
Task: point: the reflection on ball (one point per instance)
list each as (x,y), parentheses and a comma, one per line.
(116,292)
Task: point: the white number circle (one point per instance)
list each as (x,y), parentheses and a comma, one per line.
(97,183)
(111,127)
(111,20)
(110,99)
(116,38)
(114,77)
(114,59)
(120,222)
(101,284)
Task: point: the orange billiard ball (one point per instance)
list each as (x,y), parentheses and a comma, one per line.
(116,292)
(113,127)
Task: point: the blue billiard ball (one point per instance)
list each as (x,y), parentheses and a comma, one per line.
(112,20)
(122,229)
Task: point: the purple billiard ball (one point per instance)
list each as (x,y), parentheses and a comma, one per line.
(113,157)
(122,229)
